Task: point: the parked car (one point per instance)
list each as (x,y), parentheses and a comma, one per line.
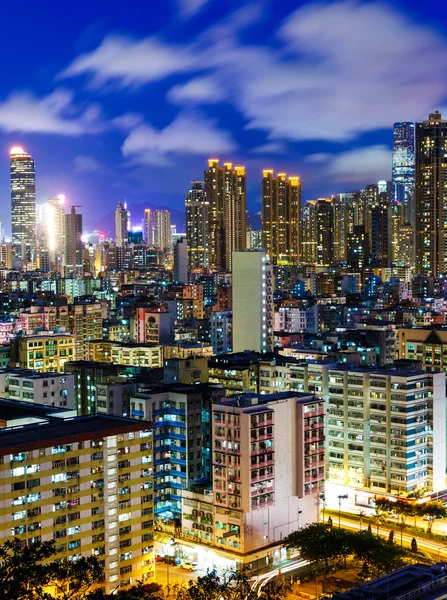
(189,566)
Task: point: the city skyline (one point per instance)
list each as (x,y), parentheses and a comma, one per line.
(93,128)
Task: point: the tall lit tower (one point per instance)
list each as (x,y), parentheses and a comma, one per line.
(73,242)
(55,229)
(281,217)
(121,225)
(197,214)
(162,230)
(226,194)
(431,195)
(148,229)
(404,168)
(23,203)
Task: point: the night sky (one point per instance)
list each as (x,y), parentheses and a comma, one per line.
(122,100)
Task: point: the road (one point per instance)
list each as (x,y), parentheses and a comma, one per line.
(171,574)
(436,549)
(261,580)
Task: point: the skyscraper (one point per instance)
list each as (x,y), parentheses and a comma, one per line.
(55,230)
(310,232)
(197,215)
(73,241)
(23,203)
(121,225)
(281,217)
(253,310)
(431,196)
(226,194)
(404,168)
(162,230)
(148,229)
(325,231)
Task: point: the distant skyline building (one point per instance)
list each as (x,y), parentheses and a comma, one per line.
(197,234)
(121,225)
(431,196)
(324,229)
(23,203)
(281,217)
(148,227)
(403,171)
(225,189)
(162,230)
(73,242)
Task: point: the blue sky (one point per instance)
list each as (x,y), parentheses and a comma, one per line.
(127,101)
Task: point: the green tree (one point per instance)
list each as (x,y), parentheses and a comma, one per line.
(207,587)
(391,537)
(378,555)
(74,580)
(275,590)
(414,545)
(23,570)
(238,587)
(317,541)
(434,509)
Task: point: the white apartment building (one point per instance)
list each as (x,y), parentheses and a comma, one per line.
(386,433)
(253,310)
(268,472)
(49,389)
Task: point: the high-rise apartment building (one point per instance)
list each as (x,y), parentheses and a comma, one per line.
(121,231)
(403,173)
(324,231)
(74,249)
(431,196)
(358,249)
(268,472)
(85,322)
(281,217)
(23,203)
(182,433)
(197,226)
(386,432)
(162,230)
(309,224)
(253,310)
(87,483)
(148,227)
(343,224)
(226,195)
(55,230)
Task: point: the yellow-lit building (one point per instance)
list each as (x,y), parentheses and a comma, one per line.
(131,354)
(225,191)
(281,217)
(85,324)
(87,483)
(186,350)
(45,352)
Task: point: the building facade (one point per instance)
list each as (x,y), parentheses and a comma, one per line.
(23,204)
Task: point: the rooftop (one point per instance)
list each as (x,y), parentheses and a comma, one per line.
(251,400)
(57,429)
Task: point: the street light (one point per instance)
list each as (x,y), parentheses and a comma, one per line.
(340,498)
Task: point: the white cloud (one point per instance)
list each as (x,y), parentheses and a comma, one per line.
(187,134)
(201,90)
(189,8)
(337,69)
(360,165)
(54,114)
(128,62)
(271,148)
(89,164)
